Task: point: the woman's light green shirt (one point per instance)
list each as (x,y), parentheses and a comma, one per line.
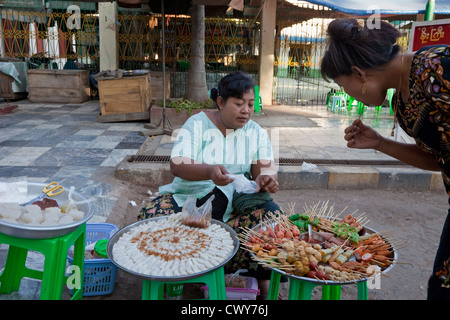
(199,139)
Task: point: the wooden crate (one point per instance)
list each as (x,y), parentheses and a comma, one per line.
(58,86)
(157,84)
(130,94)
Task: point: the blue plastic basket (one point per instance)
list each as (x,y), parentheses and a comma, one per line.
(99,274)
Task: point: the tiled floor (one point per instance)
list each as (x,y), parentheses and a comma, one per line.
(65,143)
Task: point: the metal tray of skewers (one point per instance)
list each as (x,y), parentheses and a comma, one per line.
(334,250)
(147,233)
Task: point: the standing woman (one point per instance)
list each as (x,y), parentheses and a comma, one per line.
(366,63)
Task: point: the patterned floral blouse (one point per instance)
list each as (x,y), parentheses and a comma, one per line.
(426,116)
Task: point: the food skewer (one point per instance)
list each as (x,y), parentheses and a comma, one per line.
(327,215)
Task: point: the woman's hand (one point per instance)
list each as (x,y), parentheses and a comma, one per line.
(218,174)
(267,183)
(360,136)
(187,169)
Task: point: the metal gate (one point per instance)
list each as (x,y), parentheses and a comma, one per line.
(230,44)
(297,66)
(47,37)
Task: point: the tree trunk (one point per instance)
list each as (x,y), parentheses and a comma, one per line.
(196,84)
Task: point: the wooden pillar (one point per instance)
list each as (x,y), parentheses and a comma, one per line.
(266,55)
(109,52)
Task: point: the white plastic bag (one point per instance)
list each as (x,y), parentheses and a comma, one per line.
(71,204)
(235,280)
(243,185)
(308,166)
(197,217)
(14,190)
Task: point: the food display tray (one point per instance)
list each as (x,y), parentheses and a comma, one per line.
(128,228)
(365,231)
(45,232)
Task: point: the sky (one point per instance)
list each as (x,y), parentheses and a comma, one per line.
(388,4)
(398,5)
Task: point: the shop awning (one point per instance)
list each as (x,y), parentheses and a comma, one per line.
(390,7)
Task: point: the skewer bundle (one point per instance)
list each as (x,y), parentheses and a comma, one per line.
(285,253)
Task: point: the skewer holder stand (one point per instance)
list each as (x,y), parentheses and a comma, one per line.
(53,275)
(215,280)
(301,289)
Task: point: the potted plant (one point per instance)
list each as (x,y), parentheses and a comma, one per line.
(179,110)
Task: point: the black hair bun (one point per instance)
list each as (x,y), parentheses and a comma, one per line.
(345,30)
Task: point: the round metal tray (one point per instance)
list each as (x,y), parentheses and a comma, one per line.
(365,231)
(129,73)
(45,232)
(119,233)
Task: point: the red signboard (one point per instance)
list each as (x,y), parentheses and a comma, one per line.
(429,33)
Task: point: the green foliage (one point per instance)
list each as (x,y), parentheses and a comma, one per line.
(187,104)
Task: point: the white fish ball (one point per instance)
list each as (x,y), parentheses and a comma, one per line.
(65,219)
(10,220)
(33,209)
(33,219)
(53,210)
(49,223)
(51,216)
(12,214)
(76,214)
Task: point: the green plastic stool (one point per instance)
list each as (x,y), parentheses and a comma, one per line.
(215,280)
(361,108)
(390,94)
(350,100)
(258,100)
(53,275)
(301,290)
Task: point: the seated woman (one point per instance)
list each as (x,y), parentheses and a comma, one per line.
(211,145)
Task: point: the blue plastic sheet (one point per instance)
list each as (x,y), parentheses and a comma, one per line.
(358,7)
